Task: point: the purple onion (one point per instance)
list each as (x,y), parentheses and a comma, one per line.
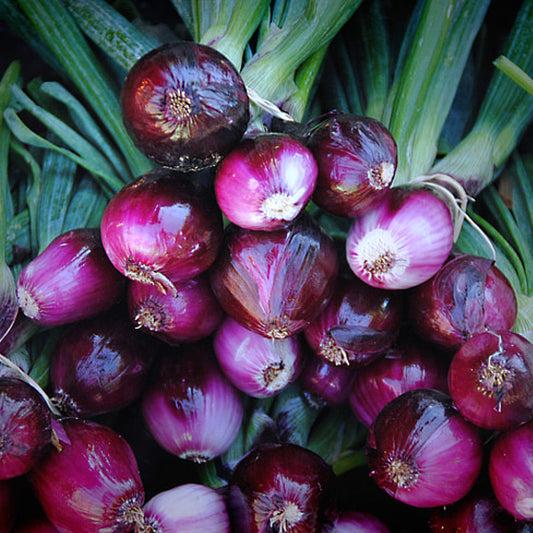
(511,470)
(402,241)
(72,279)
(275,282)
(421,451)
(256,365)
(357,160)
(100,365)
(190,407)
(491,379)
(469,294)
(162,228)
(358,522)
(25,427)
(90,482)
(8,506)
(39,524)
(281,487)
(193,313)
(357,325)
(185,105)
(274,175)
(409,364)
(187,508)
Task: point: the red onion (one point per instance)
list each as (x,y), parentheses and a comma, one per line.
(8,506)
(274,175)
(325,384)
(402,241)
(491,379)
(256,365)
(190,407)
(99,365)
(356,158)
(409,364)
(187,508)
(25,427)
(421,451)
(511,470)
(357,325)
(185,105)
(9,305)
(70,280)
(190,315)
(358,522)
(469,294)
(280,487)
(39,524)
(91,483)
(162,228)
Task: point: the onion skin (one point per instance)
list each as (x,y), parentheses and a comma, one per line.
(72,279)
(40,524)
(184,105)
(511,470)
(8,506)
(162,228)
(188,508)
(468,295)
(357,159)
(100,365)
(280,487)
(491,380)
(421,451)
(275,282)
(275,176)
(92,484)
(358,522)
(25,427)
(190,407)
(192,314)
(357,325)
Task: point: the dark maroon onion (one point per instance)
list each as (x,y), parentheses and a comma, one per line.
(357,325)
(162,228)
(189,406)
(358,522)
(190,315)
(357,160)
(39,524)
(90,482)
(8,506)
(325,384)
(72,279)
(275,282)
(100,365)
(281,487)
(185,105)
(491,379)
(511,470)
(410,364)
(421,451)
(25,427)
(469,294)
(274,175)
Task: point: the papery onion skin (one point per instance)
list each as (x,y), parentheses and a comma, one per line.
(491,379)
(188,508)
(190,407)
(193,313)
(25,427)
(511,470)
(162,228)
(70,280)
(421,451)
(100,365)
(184,105)
(469,294)
(256,365)
(357,325)
(358,522)
(266,181)
(93,484)
(357,159)
(401,242)
(409,364)
(280,487)
(275,282)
